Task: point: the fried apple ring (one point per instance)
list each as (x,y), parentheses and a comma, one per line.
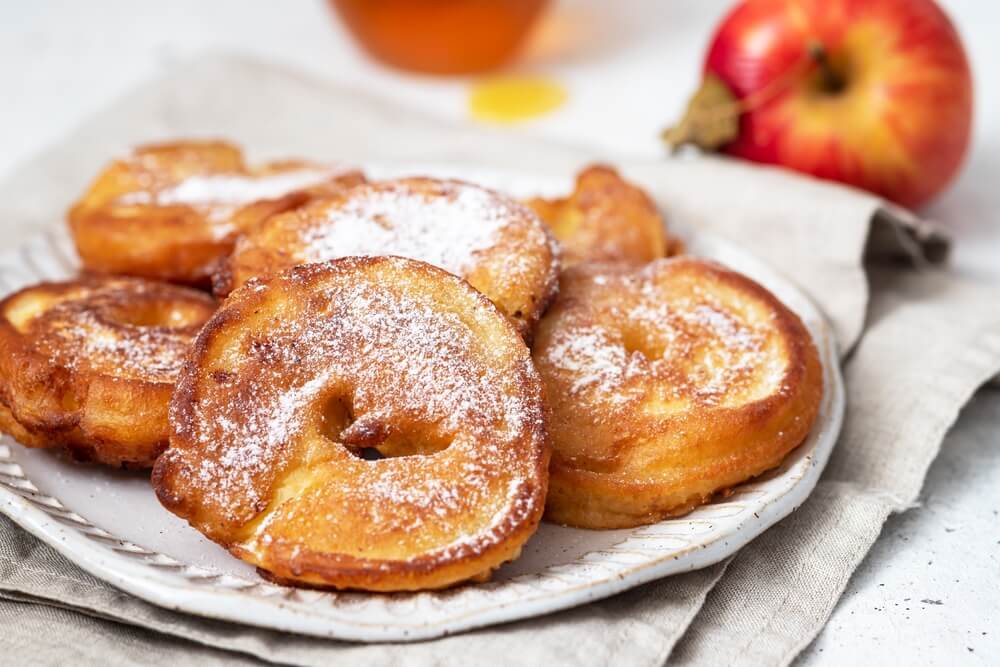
(172,211)
(89,365)
(606,219)
(299,378)
(495,243)
(668,384)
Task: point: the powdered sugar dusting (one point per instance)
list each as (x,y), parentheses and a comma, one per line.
(88,343)
(653,343)
(445,228)
(87,332)
(393,358)
(230,189)
(591,357)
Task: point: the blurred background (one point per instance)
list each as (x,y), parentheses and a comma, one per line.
(610,75)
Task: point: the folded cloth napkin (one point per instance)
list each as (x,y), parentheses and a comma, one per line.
(918,342)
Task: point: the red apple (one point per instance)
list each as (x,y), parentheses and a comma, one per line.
(873,93)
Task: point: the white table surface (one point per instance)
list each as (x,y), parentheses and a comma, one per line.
(929,593)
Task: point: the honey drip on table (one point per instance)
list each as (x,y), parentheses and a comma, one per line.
(510,99)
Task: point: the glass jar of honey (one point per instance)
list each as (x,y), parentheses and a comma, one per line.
(440,36)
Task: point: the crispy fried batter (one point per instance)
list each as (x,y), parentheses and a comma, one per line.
(89,365)
(495,243)
(172,211)
(668,384)
(298,378)
(606,219)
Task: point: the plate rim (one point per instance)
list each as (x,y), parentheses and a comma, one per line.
(166,582)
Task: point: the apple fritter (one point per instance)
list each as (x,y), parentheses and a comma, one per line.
(172,211)
(606,219)
(668,384)
(368,422)
(495,243)
(89,365)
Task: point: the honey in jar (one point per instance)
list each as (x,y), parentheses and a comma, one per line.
(440,36)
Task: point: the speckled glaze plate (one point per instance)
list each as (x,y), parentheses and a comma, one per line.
(110,524)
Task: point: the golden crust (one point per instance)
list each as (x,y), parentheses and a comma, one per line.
(606,219)
(498,245)
(300,375)
(668,384)
(172,211)
(89,365)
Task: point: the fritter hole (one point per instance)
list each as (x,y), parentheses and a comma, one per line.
(371,438)
(161,315)
(336,415)
(636,342)
(369,454)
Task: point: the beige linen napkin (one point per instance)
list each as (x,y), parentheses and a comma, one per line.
(930,341)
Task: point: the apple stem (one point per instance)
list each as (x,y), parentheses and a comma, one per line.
(712,116)
(832,81)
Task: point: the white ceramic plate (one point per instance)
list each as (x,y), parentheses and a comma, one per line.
(110,524)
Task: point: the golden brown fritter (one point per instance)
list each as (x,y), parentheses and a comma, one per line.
(667,384)
(300,378)
(89,365)
(495,243)
(606,219)
(172,211)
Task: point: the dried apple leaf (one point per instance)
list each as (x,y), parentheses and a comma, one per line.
(712,118)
